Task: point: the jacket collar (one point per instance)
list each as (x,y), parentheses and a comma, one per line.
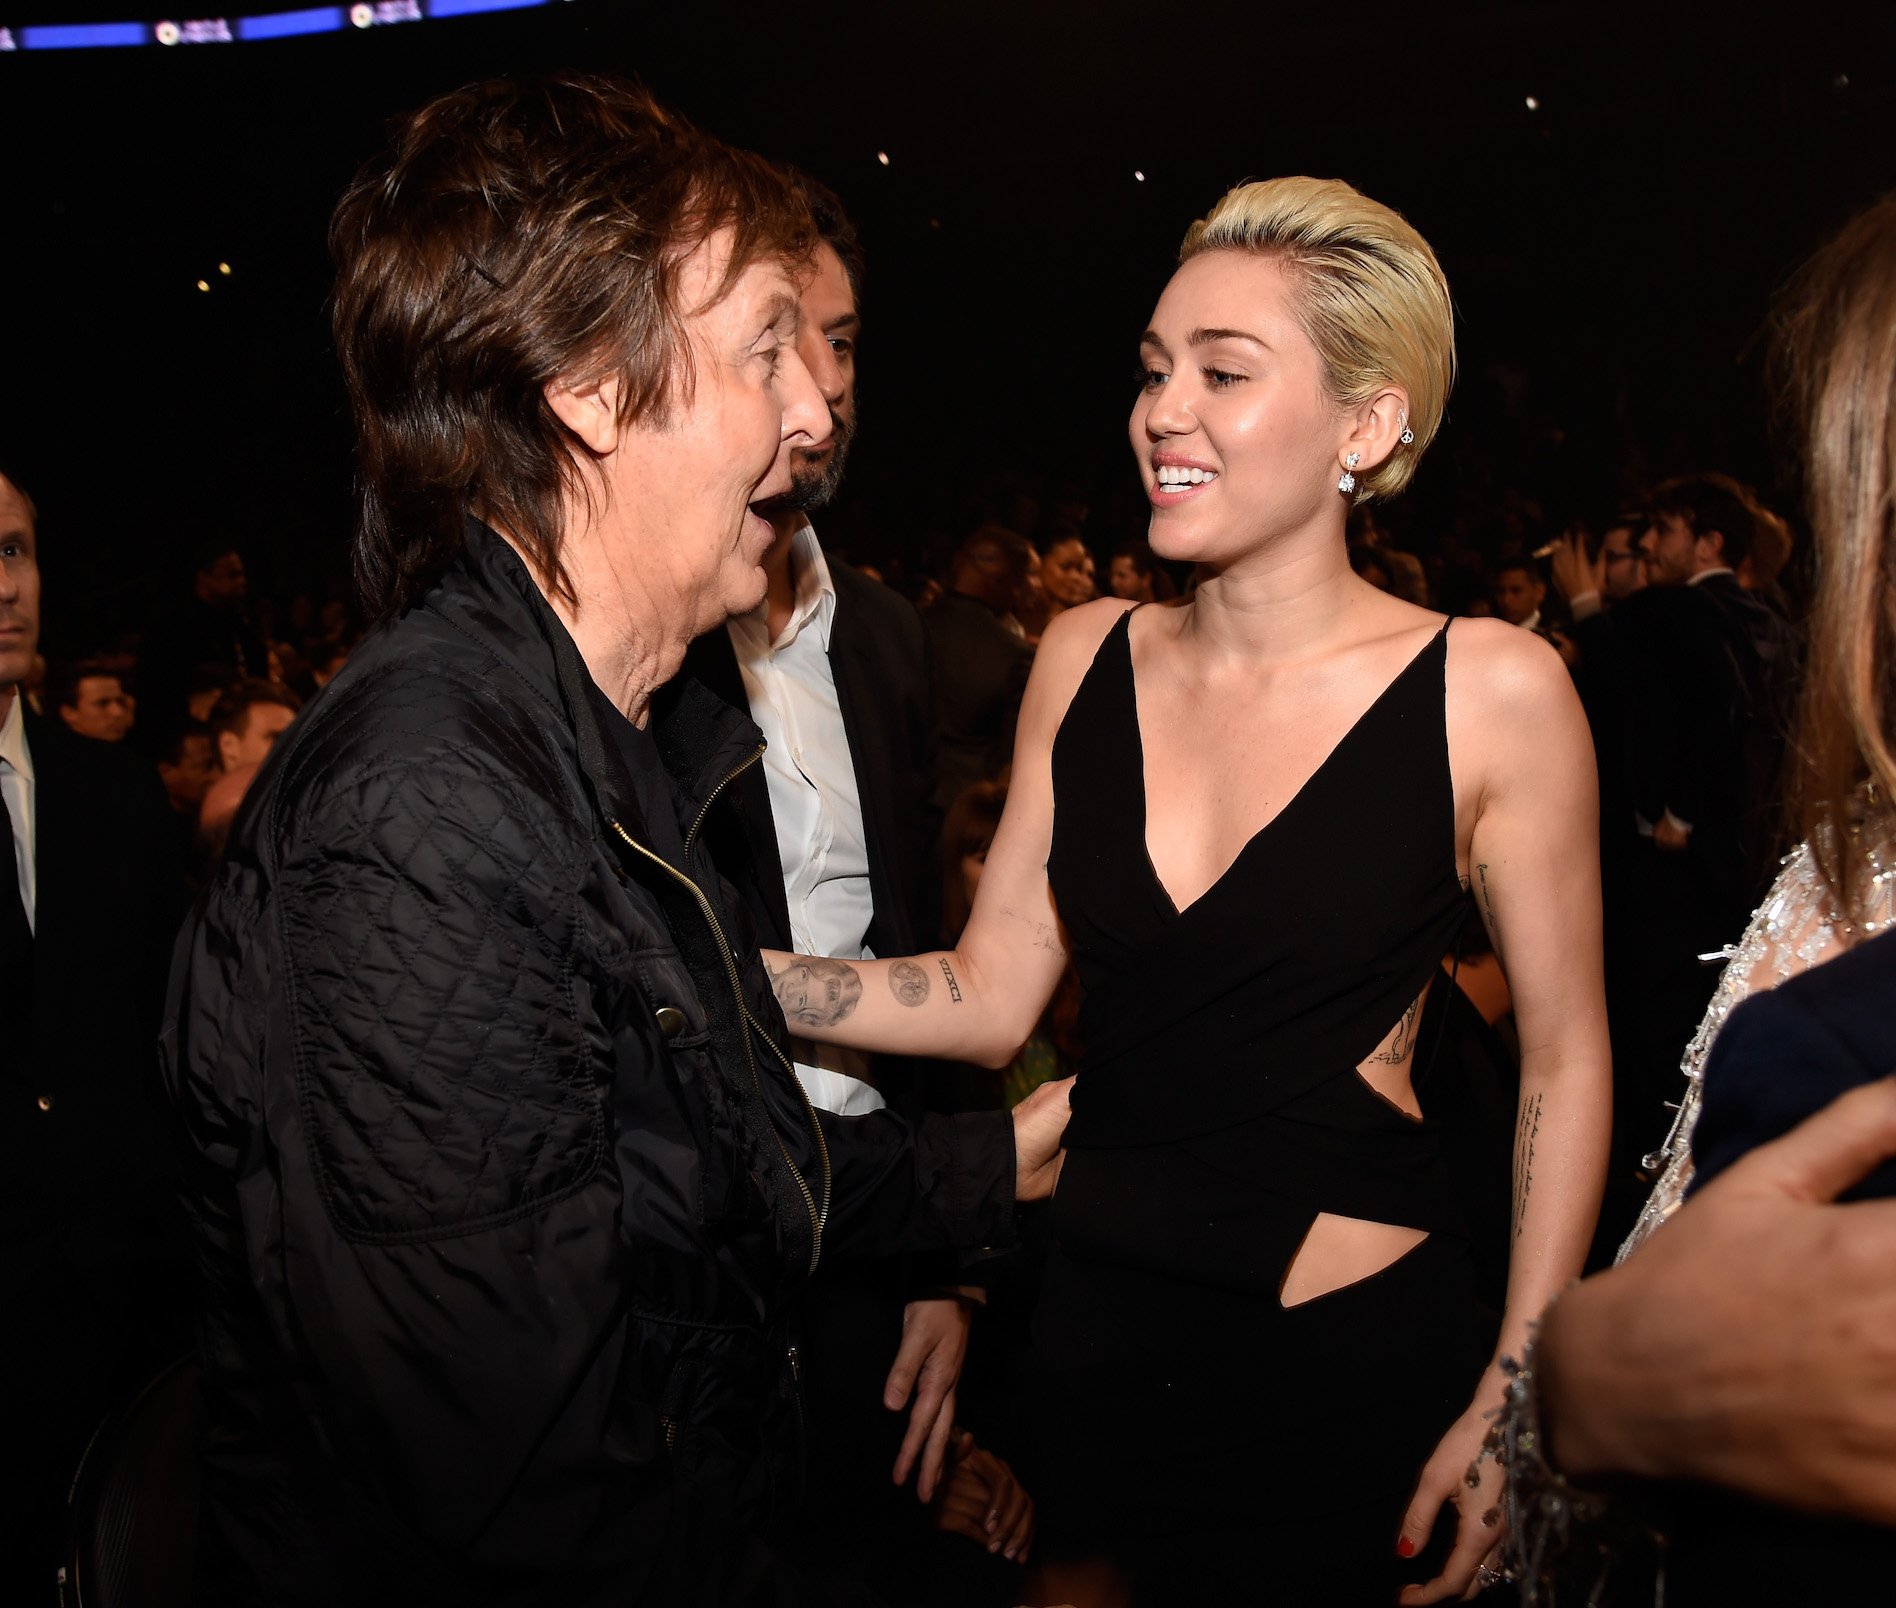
(486,592)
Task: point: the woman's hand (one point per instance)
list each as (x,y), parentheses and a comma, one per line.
(1039,1126)
(1481,1527)
(982,1500)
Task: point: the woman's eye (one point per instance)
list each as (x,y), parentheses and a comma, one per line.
(1150,379)
(1220,380)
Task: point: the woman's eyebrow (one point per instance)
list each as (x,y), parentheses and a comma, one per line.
(1204,337)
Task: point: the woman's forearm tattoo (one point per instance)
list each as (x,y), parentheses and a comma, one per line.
(954,988)
(908,982)
(1526,1130)
(815,992)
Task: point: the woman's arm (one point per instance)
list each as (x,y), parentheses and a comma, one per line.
(980,1000)
(1520,743)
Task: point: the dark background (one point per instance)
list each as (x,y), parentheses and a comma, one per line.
(1612,254)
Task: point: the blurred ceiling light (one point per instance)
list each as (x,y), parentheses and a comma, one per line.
(1533,103)
(224,268)
(1139,174)
(883,157)
(204,284)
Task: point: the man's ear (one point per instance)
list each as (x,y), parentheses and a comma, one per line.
(226,750)
(590,409)
(1717,540)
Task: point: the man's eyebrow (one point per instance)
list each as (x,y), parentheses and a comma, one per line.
(847,321)
(782,305)
(1204,337)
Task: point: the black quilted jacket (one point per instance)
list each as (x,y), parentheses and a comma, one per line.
(502,1188)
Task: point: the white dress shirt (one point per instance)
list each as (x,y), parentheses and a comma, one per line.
(813,800)
(16,782)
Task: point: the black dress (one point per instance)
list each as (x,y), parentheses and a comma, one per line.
(1207,1442)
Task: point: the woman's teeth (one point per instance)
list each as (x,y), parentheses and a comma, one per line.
(1177,475)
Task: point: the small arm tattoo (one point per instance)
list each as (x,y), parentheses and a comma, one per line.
(908,982)
(1403,1044)
(815,992)
(1487,905)
(954,988)
(1526,1132)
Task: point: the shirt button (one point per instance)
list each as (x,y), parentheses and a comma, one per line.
(670,1019)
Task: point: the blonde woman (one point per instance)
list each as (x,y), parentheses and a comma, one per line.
(1250,817)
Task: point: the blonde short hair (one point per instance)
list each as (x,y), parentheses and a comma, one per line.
(1370,294)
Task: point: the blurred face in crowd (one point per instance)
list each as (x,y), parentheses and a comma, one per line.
(1238,443)
(1675,554)
(1128,583)
(223,583)
(680,534)
(826,341)
(1066,573)
(1623,551)
(190,775)
(101,708)
(1517,595)
(19,593)
(251,743)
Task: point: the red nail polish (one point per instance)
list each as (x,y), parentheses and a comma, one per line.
(1405,1548)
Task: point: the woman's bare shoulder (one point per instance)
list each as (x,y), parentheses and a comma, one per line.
(1499,670)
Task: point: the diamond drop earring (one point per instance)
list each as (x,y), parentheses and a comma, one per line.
(1347,483)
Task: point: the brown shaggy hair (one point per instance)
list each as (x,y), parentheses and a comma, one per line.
(1836,353)
(516,233)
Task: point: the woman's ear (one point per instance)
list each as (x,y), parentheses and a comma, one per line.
(589,409)
(1378,426)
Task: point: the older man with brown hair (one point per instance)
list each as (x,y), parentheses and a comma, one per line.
(503,1186)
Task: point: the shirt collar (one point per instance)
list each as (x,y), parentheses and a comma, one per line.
(1706,575)
(13,747)
(813,605)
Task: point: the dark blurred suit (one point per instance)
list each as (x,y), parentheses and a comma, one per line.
(1709,670)
(93,1272)
(980,673)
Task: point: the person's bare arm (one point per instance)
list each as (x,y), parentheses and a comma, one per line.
(980,1000)
(1518,733)
(1751,1343)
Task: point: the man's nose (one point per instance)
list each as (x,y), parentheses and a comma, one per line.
(805,413)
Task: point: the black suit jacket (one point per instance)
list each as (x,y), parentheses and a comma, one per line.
(84,1157)
(879,656)
(1712,668)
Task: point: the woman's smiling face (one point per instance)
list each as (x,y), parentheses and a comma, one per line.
(1238,443)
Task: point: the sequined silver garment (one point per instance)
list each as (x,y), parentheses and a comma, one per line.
(1797,927)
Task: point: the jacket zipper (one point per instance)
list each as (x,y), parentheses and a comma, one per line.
(711,797)
(737,993)
(809,1110)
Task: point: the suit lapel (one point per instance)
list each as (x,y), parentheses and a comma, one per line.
(748,855)
(858,685)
